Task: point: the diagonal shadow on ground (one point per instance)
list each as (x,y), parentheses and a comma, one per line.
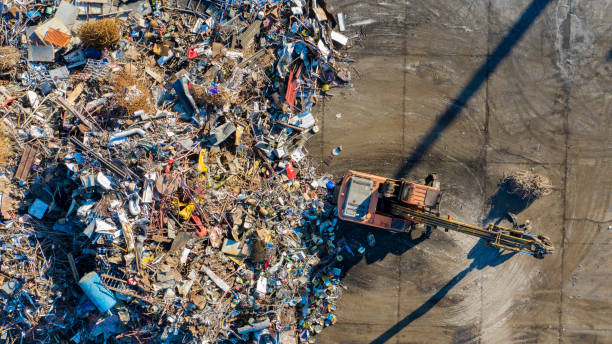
(355,236)
(502,50)
(482,255)
(503,202)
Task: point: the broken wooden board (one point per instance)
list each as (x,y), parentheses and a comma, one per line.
(74,94)
(246,38)
(320,13)
(26,162)
(66,105)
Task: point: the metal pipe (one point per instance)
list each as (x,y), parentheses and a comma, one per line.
(126,133)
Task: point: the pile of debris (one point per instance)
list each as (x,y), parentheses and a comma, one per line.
(154,156)
(527,184)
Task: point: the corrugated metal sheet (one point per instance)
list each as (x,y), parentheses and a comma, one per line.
(57,37)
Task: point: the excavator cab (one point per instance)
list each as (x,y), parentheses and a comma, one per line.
(358,197)
(421,196)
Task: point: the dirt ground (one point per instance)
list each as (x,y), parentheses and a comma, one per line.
(474,89)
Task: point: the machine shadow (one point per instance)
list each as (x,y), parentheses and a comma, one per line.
(482,256)
(504,202)
(451,113)
(355,236)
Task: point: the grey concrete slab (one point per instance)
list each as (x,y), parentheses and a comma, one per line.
(586,64)
(520,335)
(533,22)
(590,110)
(373,299)
(589,197)
(382,25)
(434,334)
(446,28)
(350,333)
(431,86)
(586,336)
(532,89)
(370,120)
(527,110)
(587,297)
(438,295)
(521,293)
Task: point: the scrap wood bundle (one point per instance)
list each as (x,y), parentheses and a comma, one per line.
(157,187)
(527,184)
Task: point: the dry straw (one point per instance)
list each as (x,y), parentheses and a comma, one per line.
(5,144)
(9,57)
(100,34)
(131,93)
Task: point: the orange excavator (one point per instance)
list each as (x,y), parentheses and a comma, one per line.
(400,206)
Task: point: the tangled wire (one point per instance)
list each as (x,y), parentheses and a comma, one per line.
(100,34)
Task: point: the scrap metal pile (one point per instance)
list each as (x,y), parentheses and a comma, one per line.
(154,182)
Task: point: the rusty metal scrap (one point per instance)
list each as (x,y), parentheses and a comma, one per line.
(168,197)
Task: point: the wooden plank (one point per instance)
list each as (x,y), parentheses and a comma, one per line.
(74,94)
(259,53)
(66,105)
(26,162)
(320,14)
(247,36)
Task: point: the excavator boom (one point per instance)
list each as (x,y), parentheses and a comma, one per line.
(497,236)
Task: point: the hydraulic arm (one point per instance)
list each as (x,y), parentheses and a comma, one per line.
(505,238)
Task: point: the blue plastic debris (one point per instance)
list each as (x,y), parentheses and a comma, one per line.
(96,291)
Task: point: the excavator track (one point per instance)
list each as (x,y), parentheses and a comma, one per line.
(504,238)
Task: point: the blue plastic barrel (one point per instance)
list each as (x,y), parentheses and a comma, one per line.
(97,292)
